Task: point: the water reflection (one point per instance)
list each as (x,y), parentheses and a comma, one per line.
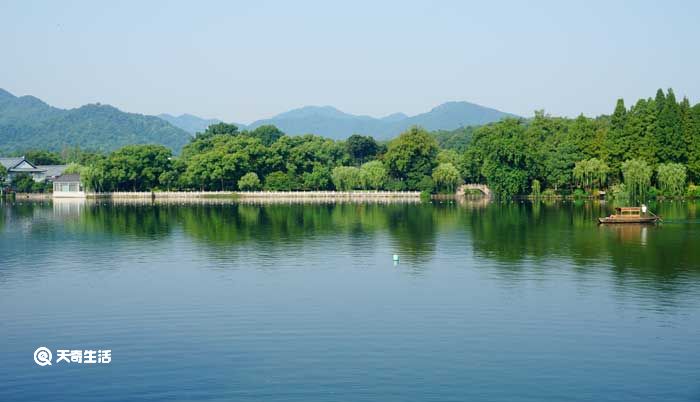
(506,233)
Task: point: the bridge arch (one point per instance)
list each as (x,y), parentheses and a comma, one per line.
(471,186)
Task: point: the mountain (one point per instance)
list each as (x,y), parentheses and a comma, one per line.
(331,122)
(192,124)
(27,122)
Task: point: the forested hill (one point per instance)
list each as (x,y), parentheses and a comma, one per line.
(330,122)
(191,123)
(27,122)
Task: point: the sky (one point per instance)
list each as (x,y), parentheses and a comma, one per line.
(242,61)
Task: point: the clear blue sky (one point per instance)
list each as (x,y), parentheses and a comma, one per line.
(241,61)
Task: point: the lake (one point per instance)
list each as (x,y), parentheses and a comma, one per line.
(490,301)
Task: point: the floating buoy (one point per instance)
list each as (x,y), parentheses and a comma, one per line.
(396,257)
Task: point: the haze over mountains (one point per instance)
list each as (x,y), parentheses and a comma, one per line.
(27,122)
(331,122)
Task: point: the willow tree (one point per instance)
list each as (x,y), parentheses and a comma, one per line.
(446,177)
(591,172)
(637,175)
(671,178)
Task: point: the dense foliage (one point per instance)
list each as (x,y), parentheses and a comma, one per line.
(563,154)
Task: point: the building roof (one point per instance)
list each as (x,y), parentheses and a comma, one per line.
(52,170)
(9,163)
(67,178)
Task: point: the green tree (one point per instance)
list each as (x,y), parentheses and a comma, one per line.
(448,156)
(374,175)
(219,129)
(412,156)
(134,168)
(671,178)
(347,178)
(694,145)
(268,134)
(318,179)
(536,188)
(24,183)
(361,148)
(591,173)
(279,181)
(249,182)
(43,157)
(502,156)
(672,147)
(637,174)
(446,177)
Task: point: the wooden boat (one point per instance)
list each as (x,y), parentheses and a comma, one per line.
(630,215)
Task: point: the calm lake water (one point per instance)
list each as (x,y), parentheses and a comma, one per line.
(497,302)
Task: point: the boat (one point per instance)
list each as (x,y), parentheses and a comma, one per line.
(631,215)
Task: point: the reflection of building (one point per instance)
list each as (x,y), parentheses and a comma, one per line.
(64,208)
(68,186)
(20,165)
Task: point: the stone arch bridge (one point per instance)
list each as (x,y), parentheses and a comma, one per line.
(481,187)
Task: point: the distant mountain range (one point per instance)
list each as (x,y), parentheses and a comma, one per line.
(191,124)
(331,122)
(27,122)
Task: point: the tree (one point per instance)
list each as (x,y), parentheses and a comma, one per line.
(249,182)
(448,156)
(278,181)
(412,156)
(671,146)
(24,183)
(3,175)
(361,148)
(346,178)
(637,175)
(374,175)
(446,177)
(133,168)
(318,179)
(671,178)
(502,157)
(591,173)
(43,157)
(694,146)
(536,188)
(218,129)
(267,134)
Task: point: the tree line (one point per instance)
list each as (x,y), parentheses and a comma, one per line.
(649,149)
(222,158)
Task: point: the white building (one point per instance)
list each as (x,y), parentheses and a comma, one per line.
(68,186)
